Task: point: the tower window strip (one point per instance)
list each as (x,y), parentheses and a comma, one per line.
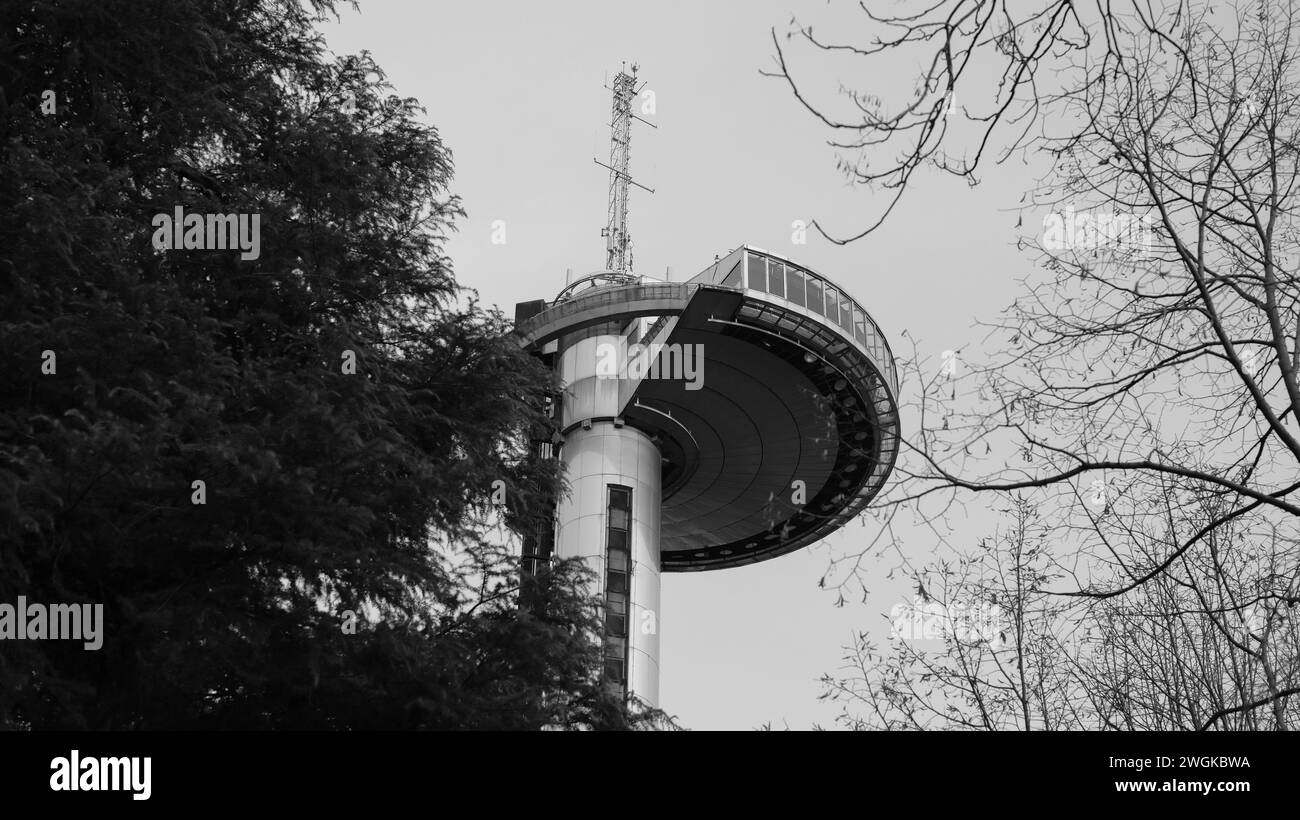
(618,579)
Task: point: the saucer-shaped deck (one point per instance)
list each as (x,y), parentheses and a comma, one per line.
(790,426)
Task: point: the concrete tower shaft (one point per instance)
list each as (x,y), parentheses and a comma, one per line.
(610,518)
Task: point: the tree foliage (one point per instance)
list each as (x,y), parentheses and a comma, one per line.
(327,492)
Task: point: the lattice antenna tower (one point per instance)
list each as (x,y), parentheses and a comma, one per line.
(618,242)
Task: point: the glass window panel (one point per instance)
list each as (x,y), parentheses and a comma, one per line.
(846,312)
(615,647)
(619,498)
(618,519)
(618,560)
(815,296)
(616,624)
(616,582)
(736,277)
(757,272)
(775,278)
(832,311)
(617,538)
(794,285)
(614,669)
(859,325)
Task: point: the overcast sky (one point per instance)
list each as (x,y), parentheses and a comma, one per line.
(515,89)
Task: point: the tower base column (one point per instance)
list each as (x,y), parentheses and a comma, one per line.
(610,519)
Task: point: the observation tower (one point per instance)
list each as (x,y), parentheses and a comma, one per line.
(704,425)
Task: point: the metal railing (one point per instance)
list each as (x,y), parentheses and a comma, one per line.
(868,334)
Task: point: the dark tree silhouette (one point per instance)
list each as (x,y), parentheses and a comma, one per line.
(343,570)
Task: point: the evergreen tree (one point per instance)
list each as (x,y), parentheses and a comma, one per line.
(346,406)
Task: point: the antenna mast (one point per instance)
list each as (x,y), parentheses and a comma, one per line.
(618,243)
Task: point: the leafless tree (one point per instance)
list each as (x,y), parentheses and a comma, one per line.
(987,647)
(1142,392)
